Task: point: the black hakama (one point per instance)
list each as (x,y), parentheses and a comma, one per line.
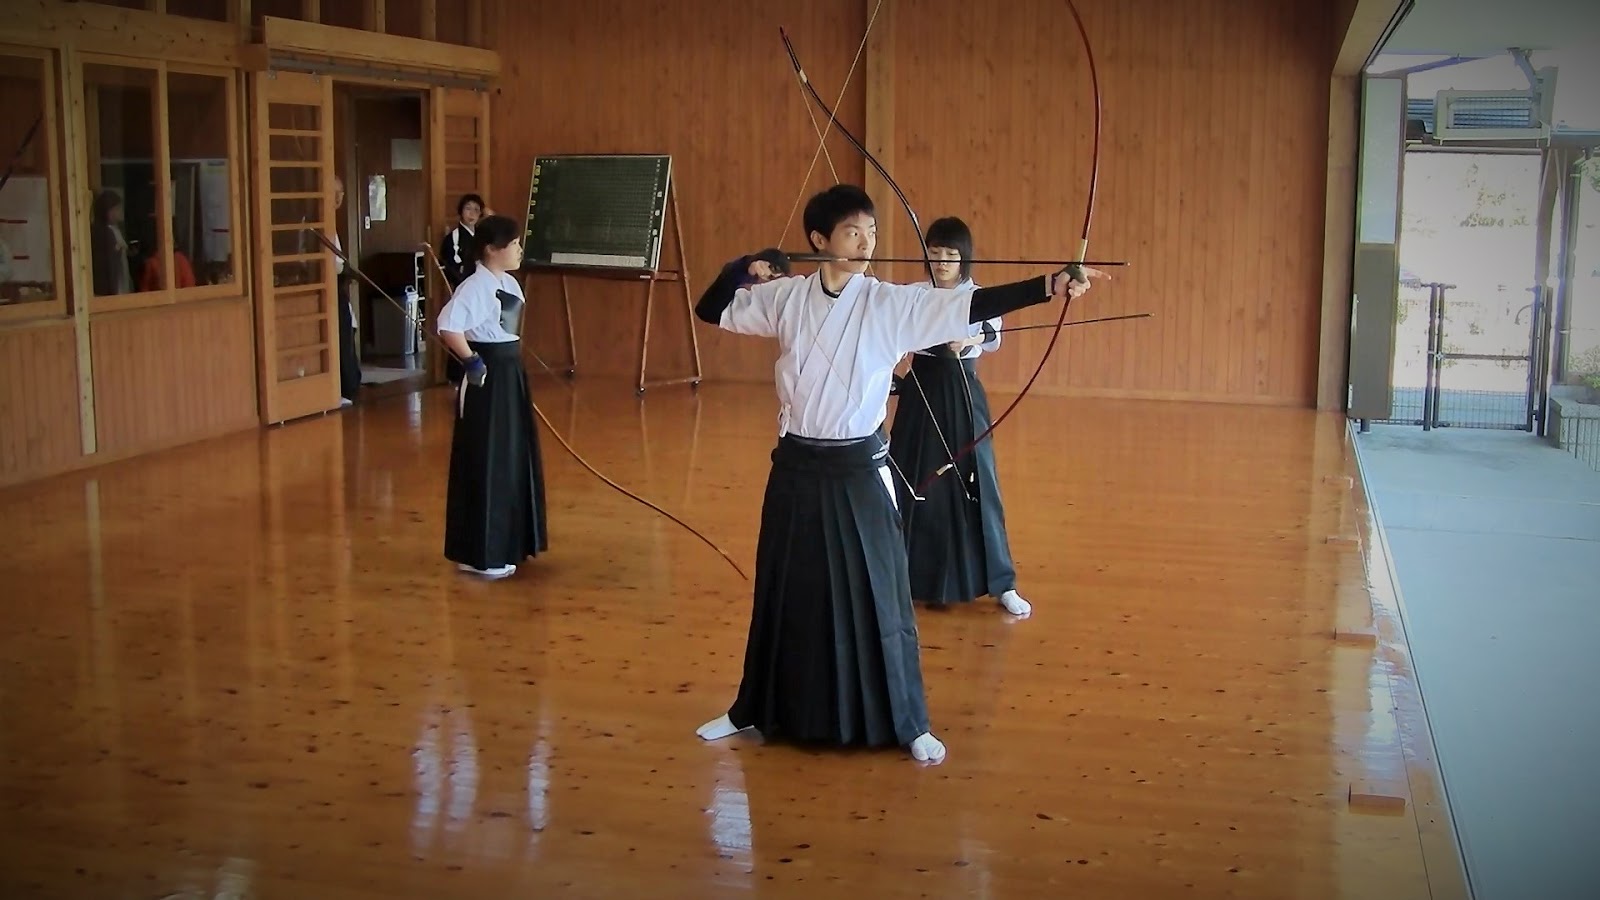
(957,548)
(349,362)
(495,506)
(832,652)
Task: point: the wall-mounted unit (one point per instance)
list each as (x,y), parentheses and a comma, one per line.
(1496,115)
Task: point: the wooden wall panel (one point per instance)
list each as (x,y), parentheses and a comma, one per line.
(38,400)
(1213,173)
(703,80)
(172,374)
(1212,180)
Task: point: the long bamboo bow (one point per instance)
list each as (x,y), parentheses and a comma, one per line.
(537,411)
(578,456)
(1074,268)
(916,225)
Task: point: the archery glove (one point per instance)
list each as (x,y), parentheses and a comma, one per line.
(476,372)
(775,258)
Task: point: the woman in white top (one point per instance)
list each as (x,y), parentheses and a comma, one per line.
(956,540)
(495,508)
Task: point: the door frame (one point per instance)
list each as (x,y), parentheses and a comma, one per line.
(443,99)
(281,400)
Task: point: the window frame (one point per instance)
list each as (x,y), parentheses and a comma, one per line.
(56,307)
(162,132)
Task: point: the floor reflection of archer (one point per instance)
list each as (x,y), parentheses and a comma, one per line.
(481,766)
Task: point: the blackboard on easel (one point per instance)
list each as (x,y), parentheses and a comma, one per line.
(606,216)
(604,212)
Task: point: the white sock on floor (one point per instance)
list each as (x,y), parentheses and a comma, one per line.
(927,748)
(717,729)
(1014,604)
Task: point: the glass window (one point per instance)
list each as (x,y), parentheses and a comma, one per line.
(1582,340)
(291,9)
(215,10)
(453,21)
(124,231)
(403,18)
(28,183)
(203,217)
(344,15)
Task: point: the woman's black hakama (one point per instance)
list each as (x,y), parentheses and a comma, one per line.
(957,547)
(495,506)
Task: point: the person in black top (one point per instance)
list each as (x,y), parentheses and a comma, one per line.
(458,255)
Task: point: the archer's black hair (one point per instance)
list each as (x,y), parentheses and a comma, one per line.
(104,203)
(953,233)
(826,210)
(465,199)
(495,233)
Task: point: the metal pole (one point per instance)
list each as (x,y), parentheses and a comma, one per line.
(1428,386)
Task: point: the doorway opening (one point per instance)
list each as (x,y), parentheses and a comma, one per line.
(379,152)
(1469,317)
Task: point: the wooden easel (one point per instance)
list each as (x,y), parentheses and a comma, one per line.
(649,277)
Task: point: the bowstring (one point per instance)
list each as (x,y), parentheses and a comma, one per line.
(822,133)
(557,434)
(822,152)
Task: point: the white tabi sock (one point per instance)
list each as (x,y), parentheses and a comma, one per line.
(927,748)
(717,729)
(1015,605)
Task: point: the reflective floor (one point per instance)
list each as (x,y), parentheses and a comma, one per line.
(243,669)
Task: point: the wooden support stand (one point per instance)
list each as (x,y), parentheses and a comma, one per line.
(650,277)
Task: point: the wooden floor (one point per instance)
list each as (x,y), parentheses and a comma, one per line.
(244,669)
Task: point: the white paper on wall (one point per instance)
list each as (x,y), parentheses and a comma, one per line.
(25,228)
(216,213)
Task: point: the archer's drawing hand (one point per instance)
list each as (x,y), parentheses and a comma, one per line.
(1064,287)
(477,372)
(768,264)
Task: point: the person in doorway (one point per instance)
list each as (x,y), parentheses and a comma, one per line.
(495,505)
(458,256)
(832,653)
(956,540)
(457,251)
(349,362)
(108,247)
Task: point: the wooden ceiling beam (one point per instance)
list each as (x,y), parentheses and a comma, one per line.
(309,39)
(1360,27)
(96,28)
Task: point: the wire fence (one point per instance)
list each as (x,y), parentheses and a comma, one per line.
(1464,361)
(1580,436)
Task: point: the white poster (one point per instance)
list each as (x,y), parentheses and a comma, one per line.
(377,199)
(25,229)
(216,211)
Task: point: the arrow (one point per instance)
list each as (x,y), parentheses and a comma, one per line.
(1079,322)
(824,257)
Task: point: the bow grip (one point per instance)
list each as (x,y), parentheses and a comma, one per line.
(1075,270)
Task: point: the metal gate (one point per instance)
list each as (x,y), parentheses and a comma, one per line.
(1481,376)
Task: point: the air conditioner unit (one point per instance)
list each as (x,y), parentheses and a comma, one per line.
(1496,115)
